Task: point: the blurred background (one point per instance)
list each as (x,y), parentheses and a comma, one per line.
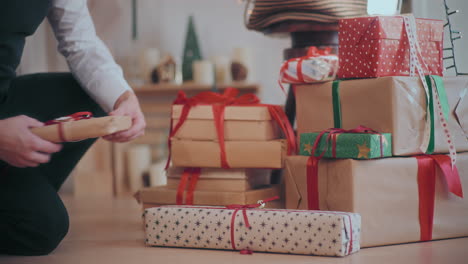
(142,34)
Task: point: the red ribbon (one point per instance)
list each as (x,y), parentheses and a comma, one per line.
(426,188)
(190,176)
(73,117)
(238,207)
(219,103)
(312,162)
(312,52)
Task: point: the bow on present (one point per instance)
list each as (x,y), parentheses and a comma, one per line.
(299,78)
(61,120)
(244,208)
(219,103)
(312,162)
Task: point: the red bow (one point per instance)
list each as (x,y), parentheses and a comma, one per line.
(244,208)
(219,103)
(73,117)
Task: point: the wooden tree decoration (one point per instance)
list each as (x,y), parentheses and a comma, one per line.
(191,51)
(453,36)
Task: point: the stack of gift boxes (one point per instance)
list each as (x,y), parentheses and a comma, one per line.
(382,123)
(385,143)
(234,168)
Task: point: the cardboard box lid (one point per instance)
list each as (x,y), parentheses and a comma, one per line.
(230,113)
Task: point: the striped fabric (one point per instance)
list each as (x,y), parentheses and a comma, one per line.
(268,12)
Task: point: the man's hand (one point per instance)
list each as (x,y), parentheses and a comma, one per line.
(19,147)
(127,105)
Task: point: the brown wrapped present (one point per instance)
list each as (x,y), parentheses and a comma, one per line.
(241,123)
(65,131)
(239,154)
(156,196)
(230,180)
(394,105)
(385,192)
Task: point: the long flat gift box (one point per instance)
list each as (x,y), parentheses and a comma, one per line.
(243,123)
(395,105)
(279,231)
(384,192)
(240,154)
(165,196)
(84,129)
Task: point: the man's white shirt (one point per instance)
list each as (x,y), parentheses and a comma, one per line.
(89,59)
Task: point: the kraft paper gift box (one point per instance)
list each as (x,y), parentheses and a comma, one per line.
(250,230)
(242,123)
(384,192)
(395,105)
(347,145)
(157,196)
(83,129)
(379,46)
(230,180)
(239,154)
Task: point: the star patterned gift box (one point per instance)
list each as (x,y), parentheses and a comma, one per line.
(348,145)
(379,46)
(262,230)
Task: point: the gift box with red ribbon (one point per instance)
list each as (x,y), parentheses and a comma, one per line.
(319,65)
(248,229)
(395,105)
(357,143)
(81,126)
(229,131)
(399,199)
(215,179)
(389,46)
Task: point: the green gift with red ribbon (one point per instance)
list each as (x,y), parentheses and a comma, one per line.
(358,143)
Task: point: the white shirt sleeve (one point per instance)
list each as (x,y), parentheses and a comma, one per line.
(87,56)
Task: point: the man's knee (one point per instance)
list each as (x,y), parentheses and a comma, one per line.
(40,233)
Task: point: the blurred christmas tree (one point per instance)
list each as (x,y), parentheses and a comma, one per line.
(191,51)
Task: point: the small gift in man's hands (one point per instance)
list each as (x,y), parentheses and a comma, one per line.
(81,126)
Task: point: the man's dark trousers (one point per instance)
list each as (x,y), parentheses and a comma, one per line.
(33,219)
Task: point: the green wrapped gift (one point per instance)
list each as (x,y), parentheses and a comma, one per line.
(348,145)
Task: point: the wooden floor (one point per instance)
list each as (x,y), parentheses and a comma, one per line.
(110,231)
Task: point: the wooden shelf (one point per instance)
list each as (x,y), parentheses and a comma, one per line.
(189,86)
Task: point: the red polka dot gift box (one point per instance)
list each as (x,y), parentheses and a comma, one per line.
(383,46)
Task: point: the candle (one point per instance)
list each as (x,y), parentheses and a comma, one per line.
(203,72)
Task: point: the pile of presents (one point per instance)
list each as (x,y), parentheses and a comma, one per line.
(377,159)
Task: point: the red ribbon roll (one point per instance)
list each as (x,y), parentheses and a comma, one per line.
(219,103)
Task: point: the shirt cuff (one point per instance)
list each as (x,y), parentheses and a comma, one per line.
(110,89)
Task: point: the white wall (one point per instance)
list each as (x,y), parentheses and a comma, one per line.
(435,9)
(219,25)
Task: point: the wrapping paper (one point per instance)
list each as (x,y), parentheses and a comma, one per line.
(241,123)
(395,105)
(317,66)
(233,180)
(379,46)
(384,192)
(165,196)
(84,129)
(279,231)
(353,145)
(240,154)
